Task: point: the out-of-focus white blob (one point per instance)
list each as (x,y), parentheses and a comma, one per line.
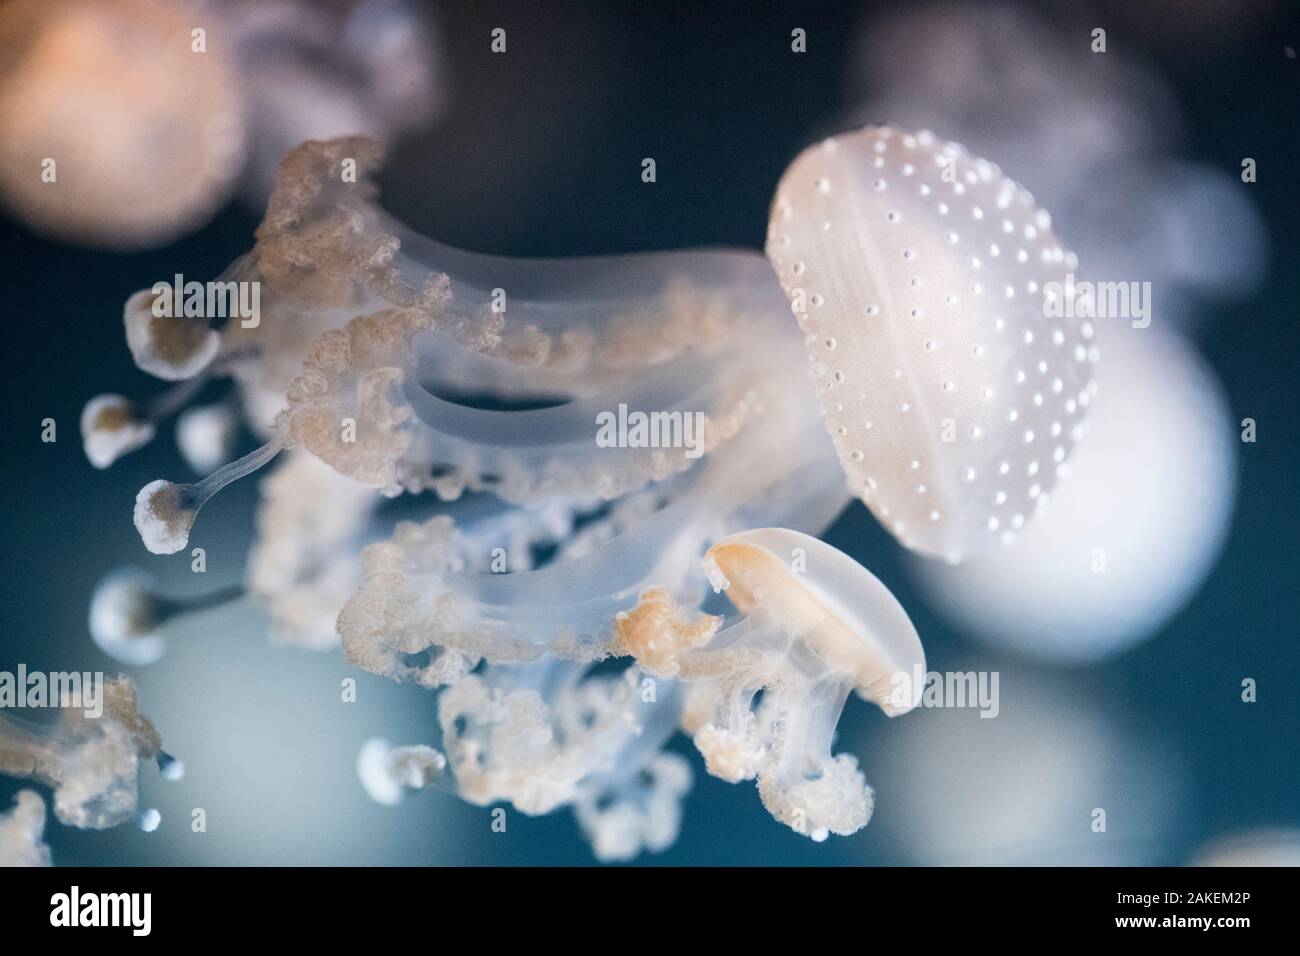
(1025,787)
(816,625)
(1098,133)
(170,768)
(91,763)
(110,429)
(145,136)
(638,815)
(1132,530)
(387,772)
(148,820)
(920,276)
(1279,847)
(21,831)
(125,619)
(206,436)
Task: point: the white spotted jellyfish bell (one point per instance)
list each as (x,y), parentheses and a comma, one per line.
(923,279)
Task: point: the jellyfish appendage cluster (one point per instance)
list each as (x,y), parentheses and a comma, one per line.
(91,763)
(575,602)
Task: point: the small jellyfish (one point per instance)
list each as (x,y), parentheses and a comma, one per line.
(206,436)
(91,763)
(814,627)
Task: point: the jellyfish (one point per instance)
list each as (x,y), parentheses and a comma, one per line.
(357,397)
(21,831)
(127,123)
(462,492)
(1134,530)
(91,763)
(813,627)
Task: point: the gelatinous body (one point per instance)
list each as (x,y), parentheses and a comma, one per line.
(920,275)
(91,763)
(579,450)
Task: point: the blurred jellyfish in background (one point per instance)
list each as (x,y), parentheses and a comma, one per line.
(126,124)
(1132,529)
(1276,847)
(1098,136)
(112,133)
(1024,788)
(313,70)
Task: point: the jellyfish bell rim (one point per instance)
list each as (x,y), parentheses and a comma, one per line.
(845,614)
